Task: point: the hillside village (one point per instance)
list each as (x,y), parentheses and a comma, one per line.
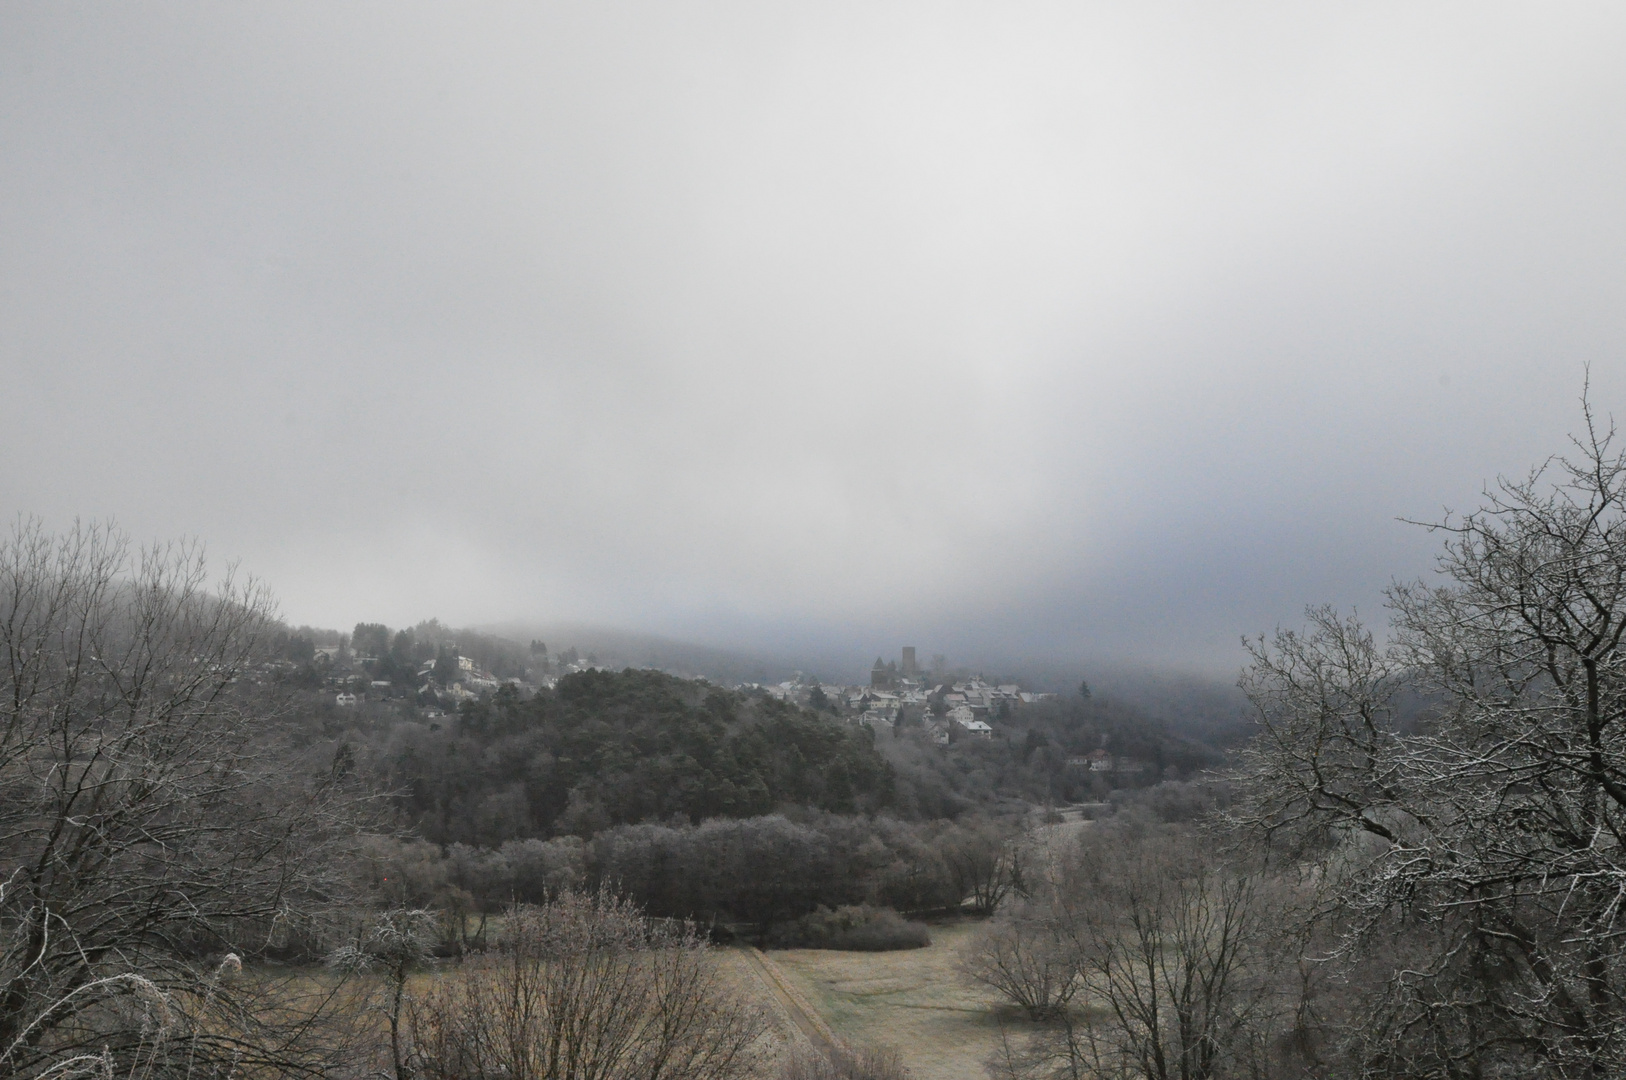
(438,677)
(431,672)
(901,693)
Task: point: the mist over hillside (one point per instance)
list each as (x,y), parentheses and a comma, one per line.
(1196,705)
(616,648)
(499,502)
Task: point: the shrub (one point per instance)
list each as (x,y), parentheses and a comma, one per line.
(585,986)
(1022,954)
(857,928)
(1176,800)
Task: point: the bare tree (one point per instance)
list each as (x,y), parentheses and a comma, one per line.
(1172,951)
(985,861)
(1176,948)
(1023,954)
(395,945)
(150,821)
(1485,830)
(585,988)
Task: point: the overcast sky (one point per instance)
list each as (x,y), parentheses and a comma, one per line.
(1110,330)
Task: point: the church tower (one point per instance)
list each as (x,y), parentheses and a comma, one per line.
(879,677)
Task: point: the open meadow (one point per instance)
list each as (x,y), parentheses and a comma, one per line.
(913,1000)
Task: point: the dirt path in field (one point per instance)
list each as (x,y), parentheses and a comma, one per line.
(801,1013)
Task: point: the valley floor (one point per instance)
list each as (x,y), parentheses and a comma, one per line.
(913,1000)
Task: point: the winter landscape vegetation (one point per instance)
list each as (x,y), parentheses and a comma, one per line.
(722,541)
(232,845)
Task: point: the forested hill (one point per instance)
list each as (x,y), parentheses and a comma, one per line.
(607,748)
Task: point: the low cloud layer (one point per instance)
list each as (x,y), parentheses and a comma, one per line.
(1010,330)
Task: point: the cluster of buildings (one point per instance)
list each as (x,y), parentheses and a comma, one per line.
(345,675)
(901,693)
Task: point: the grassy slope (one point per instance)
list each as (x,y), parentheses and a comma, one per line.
(912,1000)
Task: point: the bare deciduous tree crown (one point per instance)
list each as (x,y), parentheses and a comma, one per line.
(1483,755)
(150,820)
